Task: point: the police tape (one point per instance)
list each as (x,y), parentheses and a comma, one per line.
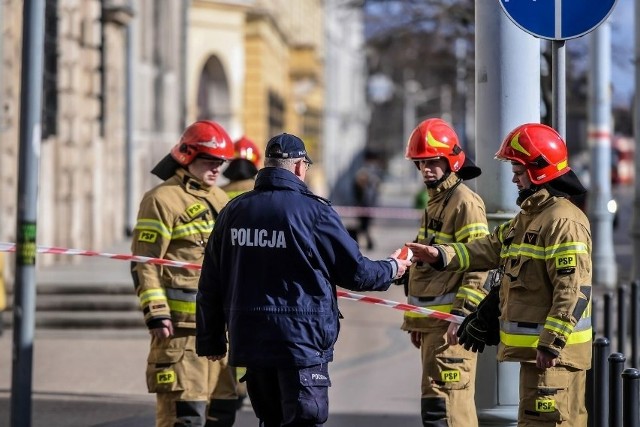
(401,306)
(11,247)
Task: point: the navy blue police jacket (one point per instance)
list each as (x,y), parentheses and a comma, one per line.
(270,272)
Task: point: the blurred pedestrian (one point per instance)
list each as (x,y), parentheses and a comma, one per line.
(538,311)
(454,213)
(366,186)
(242,170)
(174,222)
(269,276)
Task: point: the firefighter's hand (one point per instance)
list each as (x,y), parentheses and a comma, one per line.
(217,357)
(165,331)
(403,264)
(424,253)
(545,360)
(452,334)
(416,338)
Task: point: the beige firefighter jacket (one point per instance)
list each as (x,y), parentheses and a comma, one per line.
(544,260)
(174,222)
(236,188)
(454,213)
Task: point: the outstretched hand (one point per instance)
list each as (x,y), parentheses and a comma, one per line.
(403,264)
(424,253)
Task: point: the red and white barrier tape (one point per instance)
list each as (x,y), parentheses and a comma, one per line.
(401,306)
(11,247)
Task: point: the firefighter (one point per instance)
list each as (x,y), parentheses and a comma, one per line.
(174,222)
(243,168)
(454,213)
(538,311)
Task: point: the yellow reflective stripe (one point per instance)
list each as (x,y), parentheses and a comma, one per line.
(559,326)
(445,308)
(233,194)
(153,225)
(421,233)
(152,295)
(440,237)
(544,253)
(182,306)
(471,294)
(501,229)
(531,341)
(477,230)
(194,227)
(463,255)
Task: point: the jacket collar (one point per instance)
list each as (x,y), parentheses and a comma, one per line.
(191,184)
(537,202)
(443,188)
(270,177)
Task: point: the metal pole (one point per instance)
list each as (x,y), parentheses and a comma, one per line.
(635,322)
(622,318)
(599,138)
(559,87)
(616,365)
(28,174)
(630,397)
(507,76)
(635,222)
(128,133)
(607,314)
(601,378)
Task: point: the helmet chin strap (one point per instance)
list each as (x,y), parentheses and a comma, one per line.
(435,184)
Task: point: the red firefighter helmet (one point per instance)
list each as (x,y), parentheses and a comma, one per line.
(247,149)
(435,138)
(203,138)
(539,148)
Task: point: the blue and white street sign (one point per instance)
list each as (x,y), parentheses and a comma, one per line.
(558,19)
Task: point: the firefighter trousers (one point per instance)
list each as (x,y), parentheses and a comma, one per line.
(190,390)
(552,397)
(448,382)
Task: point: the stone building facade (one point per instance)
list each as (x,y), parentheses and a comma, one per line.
(122,79)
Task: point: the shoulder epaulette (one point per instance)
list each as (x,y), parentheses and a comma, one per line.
(318,198)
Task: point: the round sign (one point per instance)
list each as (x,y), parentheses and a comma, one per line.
(558,19)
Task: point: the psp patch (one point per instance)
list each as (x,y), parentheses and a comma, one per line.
(452,376)
(545,405)
(148,236)
(195,210)
(566,261)
(166,377)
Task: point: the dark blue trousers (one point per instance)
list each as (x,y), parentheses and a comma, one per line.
(289,397)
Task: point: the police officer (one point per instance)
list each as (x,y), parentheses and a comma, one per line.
(542,288)
(242,170)
(269,275)
(174,222)
(454,213)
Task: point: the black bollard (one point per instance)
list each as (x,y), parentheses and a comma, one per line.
(607,312)
(616,365)
(601,378)
(630,396)
(622,318)
(635,323)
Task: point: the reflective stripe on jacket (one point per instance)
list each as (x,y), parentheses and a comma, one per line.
(545,256)
(454,214)
(174,222)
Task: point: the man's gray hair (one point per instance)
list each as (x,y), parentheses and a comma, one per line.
(276,162)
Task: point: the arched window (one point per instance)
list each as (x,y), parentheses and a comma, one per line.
(213,93)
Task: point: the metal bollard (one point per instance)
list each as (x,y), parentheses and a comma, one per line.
(635,322)
(606,314)
(601,378)
(616,365)
(622,318)
(630,396)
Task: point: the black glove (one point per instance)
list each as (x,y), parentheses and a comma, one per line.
(482,327)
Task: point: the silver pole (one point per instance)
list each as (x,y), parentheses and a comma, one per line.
(507,95)
(28,164)
(635,223)
(559,87)
(599,137)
